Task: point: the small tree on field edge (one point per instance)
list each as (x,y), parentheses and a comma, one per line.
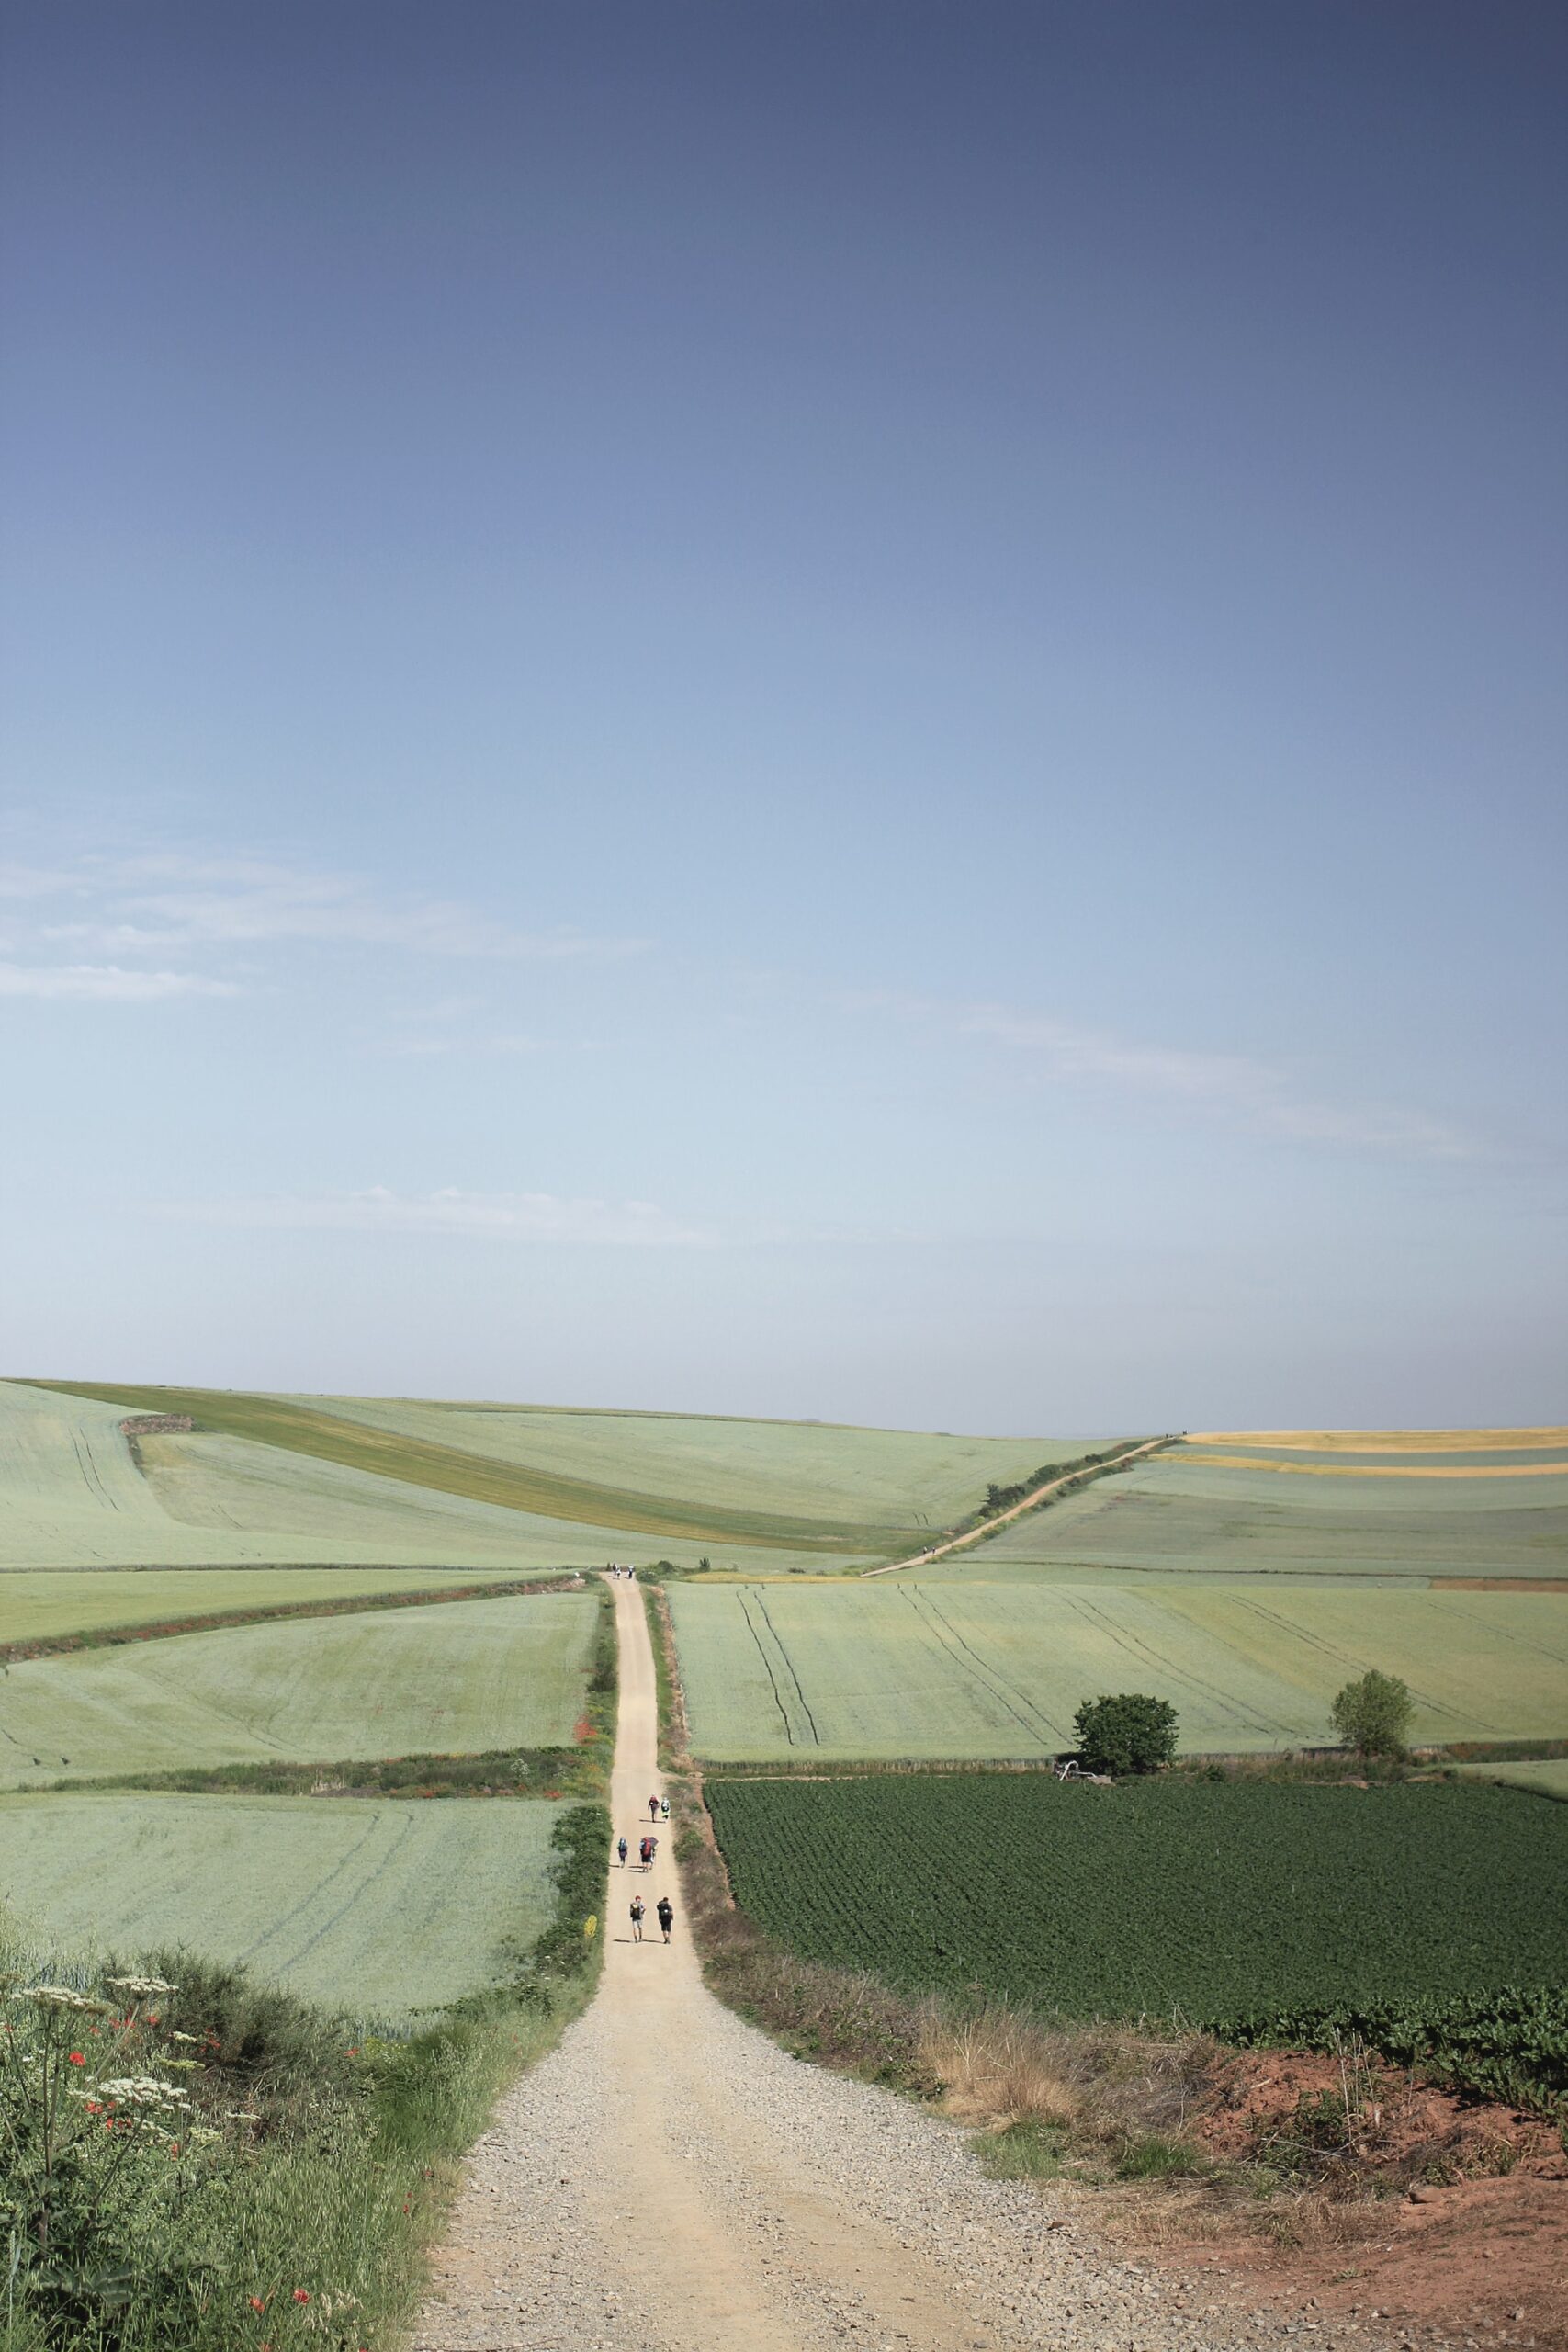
(1372,1715)
(1128,1733)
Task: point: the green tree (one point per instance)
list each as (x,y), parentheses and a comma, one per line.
(1372,1715)
(1128,1733)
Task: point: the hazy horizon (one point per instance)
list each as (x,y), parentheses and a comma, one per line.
(846,714)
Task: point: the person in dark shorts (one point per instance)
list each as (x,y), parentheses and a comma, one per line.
(621,1850)
(664,1911)
(638,1915)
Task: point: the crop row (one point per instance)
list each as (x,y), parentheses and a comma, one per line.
(1218,1902)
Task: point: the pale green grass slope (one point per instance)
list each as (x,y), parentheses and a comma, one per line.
(919,1667)
(377,1908)
(1177,1513)
(851,1479)
(456,1678)
(70,1496)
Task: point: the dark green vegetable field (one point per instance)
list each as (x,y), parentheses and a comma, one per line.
(1224,1901)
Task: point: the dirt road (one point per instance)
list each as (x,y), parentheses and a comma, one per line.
(668,2179)
(1035,1497)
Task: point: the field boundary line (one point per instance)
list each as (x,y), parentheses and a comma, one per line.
(355,1604)
(1016,1511)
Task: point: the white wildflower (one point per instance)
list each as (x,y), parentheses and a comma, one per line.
(59,1997)
(140,1984)
(142,2090)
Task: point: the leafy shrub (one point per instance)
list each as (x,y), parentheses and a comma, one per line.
(1511,2045)
(105,2165)
(1128,1733)
(1372,1715)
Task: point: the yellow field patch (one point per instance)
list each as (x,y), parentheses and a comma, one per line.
(1388,1441)
(1385,1469)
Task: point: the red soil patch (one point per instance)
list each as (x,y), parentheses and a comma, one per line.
(1445,2218)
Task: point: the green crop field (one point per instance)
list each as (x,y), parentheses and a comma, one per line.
(72,1495)
(1278,1513)
(378,1908)
(1548,1776)
(35,1604)
(458,1677)
(865,1485)
(907,1666)
(797,1489)
(1213,1900)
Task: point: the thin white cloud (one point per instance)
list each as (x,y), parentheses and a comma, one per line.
(19,881)
(1230,1086)
(505,1216)
(104,984)
(248,903)
(169,904)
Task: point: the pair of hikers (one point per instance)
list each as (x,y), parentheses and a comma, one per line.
(663,1911)
(646,1851)
(658,1808)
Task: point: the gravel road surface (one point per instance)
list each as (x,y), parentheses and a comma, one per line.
(669,2181)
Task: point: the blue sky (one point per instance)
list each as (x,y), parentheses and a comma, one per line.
(842,710)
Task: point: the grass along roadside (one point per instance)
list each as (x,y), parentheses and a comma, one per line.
(280,2171)
(285,2168)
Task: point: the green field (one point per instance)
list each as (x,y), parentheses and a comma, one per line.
(1189,1511)
(907,1666)
(458,1677)
(72,1495)
(39,1603)
(1210,1900)
(377,1908)
(860,1486)
(788,1487)
(1548,1776)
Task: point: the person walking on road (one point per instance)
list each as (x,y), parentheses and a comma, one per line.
(637,1917)
(665,1911)
(663,1808)
(653,1808)
(621,1850)
(644,1852)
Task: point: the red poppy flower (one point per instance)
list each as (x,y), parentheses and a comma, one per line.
(77,2059)
(302,2294)
(259,2303)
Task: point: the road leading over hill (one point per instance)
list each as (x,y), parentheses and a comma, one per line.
(668,2180)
